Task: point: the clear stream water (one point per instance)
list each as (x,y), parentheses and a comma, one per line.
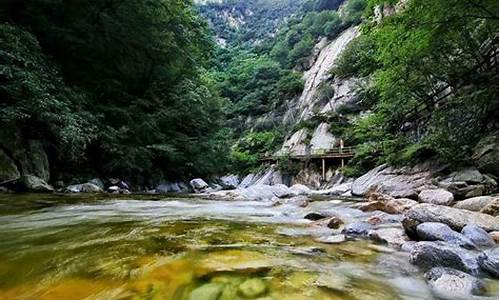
(98,247)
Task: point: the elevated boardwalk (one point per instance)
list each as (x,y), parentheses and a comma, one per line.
(340,154)
(337,152)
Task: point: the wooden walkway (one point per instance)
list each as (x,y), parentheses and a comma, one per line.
(337,152)
(340,153)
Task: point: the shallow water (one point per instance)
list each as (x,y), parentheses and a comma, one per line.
(97,247)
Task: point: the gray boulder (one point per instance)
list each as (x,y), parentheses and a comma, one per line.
(340,189)
(475,203)
(451,284)
(393,236)
(98,182)
(478,236)
(357,229)
(229,182)
(396,182)
(469,175)
(436,196)
(264,192)
(432,231)
(427,255)
(198,185)
(31,183)
(299,189)
(453,217)
(488,261)
(84,188)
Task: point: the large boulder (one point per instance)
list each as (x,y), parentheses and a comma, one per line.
(488,261)
(469,176)
(198,185)
(31,183)
(453,217)
(485,155)
(388,204)
(451,284)
(264,192)
(432,231)
(397,182)
(476,203)
(299,189)
(436,196)
(84,188)
(393,236)
(427,255)
(340,189)
(478,236)
(229,182)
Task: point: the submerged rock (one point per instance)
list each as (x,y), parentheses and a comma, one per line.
(313,216)
(436,196)
(252,288)
(451,284)
(209,291)
(333,239)
(357,229)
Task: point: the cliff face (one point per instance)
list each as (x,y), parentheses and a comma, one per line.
(312,104)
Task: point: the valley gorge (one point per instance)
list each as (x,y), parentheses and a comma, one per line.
(263,149)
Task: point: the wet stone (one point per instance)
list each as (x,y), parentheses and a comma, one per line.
(252,288)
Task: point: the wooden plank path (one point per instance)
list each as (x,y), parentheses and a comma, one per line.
(336,152)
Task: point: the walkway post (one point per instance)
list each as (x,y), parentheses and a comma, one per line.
(323,168)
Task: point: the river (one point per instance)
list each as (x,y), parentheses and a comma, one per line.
(100,247)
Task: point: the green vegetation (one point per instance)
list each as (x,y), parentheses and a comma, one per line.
(426,47)
(140,90)
(119,88)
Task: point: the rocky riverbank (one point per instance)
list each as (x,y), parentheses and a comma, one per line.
(445,222)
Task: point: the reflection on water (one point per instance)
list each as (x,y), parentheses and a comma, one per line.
(63,247)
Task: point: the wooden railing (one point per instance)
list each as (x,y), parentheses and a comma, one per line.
(336,152)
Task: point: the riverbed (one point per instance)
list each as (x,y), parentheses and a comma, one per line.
(103,247)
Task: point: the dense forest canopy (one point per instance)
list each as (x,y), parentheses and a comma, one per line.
(118,87)
(165,89)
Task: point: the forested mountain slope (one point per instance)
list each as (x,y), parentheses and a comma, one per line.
(404,81)
(163,90)
(108,88)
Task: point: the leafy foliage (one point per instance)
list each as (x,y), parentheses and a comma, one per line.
(410,55)
(133,97)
